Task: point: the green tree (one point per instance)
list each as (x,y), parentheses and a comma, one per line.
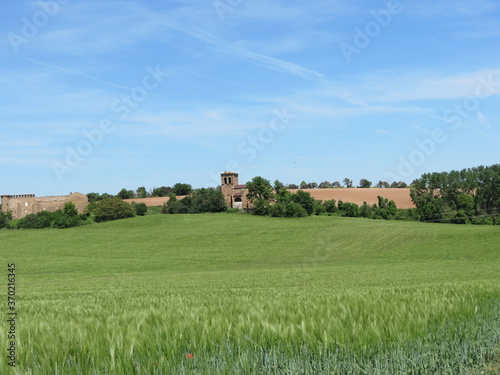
(466,203)
(141,192)
(432,210)
(207,200)
(308,185)
(31,221)
(112,209)
(282,195)
(399,185)
(140,208)
(347,182)
(173,206)
(365,210)
(383,184)
(163,191)
(349,209)
(325,185)
(182,189)
(295,210)
(262,207)
(5,217)
(259,189)
(70,209)
(364,183)
(278,209)
(305,200)
(330,205)
(125,194)
(93,197)
(319,208)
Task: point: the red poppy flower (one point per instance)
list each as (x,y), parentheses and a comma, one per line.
(190,355)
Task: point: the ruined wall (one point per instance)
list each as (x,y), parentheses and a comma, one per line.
(25,204)
(20,205)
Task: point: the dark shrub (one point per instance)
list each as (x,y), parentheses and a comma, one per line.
(112,209)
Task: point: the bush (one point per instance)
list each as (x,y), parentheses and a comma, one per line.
(140,208)
(460,218)
(202,200)
(13,224)
(5,217)
(70,209)
(207,200)
(319,209)
(433,210)
(295,210)
(365,210)
(349,209)
(66,218)
(31,221)
(482,220)
(407,214)
(330,206)
(278,210)
(305,200)
(112,209)
(261,207)
(175,206)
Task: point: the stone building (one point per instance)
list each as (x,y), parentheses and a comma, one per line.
(234,194)
(25,204)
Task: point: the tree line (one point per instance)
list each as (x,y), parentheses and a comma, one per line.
(180,189)
(347,183)
(470,195)
(141,192)
(277,201)
(106,209)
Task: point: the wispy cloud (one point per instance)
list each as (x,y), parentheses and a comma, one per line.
(90,77)
(385,87)
(237,51)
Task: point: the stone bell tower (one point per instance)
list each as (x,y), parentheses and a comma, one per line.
(228,181)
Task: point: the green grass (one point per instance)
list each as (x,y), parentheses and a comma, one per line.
(255,295)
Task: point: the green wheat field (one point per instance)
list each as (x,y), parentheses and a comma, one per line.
(241,294)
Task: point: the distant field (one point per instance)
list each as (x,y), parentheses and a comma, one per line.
(254,295)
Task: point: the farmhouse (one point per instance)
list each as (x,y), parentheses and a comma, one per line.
(22,205)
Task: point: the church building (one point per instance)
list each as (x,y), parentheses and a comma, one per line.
(234,194)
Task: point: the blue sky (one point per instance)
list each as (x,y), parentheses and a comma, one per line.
(97,96)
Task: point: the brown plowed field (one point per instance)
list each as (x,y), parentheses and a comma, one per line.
(356,195)
(353,195)
(150,202)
